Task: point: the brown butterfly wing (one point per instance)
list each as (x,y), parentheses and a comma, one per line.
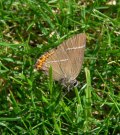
(75,47)
(66,59)
(58,61)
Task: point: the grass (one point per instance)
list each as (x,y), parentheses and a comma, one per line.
(31,103)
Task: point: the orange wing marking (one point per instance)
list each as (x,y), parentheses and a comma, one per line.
(42,60)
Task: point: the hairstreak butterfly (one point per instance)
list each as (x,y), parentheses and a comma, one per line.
(65,60)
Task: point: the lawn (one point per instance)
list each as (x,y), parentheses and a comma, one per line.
(32,103)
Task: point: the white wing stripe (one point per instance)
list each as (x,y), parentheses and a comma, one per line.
(54,61)
(73,48)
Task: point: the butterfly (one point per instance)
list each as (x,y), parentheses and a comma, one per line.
(66,60)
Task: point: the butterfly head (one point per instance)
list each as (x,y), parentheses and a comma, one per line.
(69,84)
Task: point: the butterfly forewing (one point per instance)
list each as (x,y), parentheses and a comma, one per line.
(75,50)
